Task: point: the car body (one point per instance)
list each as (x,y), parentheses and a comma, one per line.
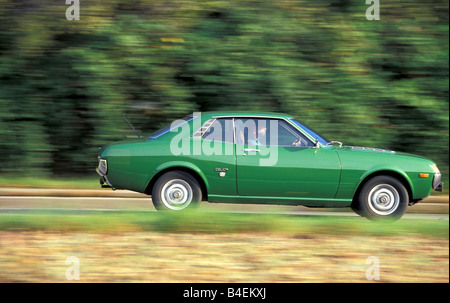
(217,157)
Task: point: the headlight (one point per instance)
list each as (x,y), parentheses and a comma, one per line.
(435,169)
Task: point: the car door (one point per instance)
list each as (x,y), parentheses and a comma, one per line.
(217,160)
(275,160)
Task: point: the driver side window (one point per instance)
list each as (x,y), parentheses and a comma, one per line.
(288,136)
(269,132)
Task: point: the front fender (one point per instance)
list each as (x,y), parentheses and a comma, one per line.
(379,170)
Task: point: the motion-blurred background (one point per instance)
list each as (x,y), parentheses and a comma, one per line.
(65,84)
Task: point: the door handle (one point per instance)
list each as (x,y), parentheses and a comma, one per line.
(251,150)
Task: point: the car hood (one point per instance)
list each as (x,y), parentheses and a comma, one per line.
(379,150)
(368,149)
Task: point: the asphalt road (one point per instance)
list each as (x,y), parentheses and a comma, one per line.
(118,204)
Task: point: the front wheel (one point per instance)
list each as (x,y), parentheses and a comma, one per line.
(383,197)
(176,190)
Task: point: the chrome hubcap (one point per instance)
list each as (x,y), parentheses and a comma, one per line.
(176,194)
(384,199)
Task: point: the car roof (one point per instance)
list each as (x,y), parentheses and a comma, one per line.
(244,114)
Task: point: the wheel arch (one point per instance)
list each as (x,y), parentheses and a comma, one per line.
(400,177)
(179,167)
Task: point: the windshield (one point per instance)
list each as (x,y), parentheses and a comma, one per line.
(167,129)
(309,131)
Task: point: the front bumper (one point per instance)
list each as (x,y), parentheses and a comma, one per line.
(437,184)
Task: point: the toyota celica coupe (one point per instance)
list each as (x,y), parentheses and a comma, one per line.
(267,159)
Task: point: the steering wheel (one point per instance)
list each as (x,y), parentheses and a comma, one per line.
(297,142)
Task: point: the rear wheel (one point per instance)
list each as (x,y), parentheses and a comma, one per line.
(383,197)
(176,190)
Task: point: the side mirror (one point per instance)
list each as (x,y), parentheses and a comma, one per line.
(316,144)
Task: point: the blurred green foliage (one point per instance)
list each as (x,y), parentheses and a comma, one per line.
(216,223)
(65,84)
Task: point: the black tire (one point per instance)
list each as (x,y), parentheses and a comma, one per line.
(383,197)
(175,191)
(356,209)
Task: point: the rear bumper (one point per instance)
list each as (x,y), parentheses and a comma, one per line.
(437,184)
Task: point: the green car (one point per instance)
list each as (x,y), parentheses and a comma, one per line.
(267,159)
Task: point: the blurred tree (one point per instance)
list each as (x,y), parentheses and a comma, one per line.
(65,84)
